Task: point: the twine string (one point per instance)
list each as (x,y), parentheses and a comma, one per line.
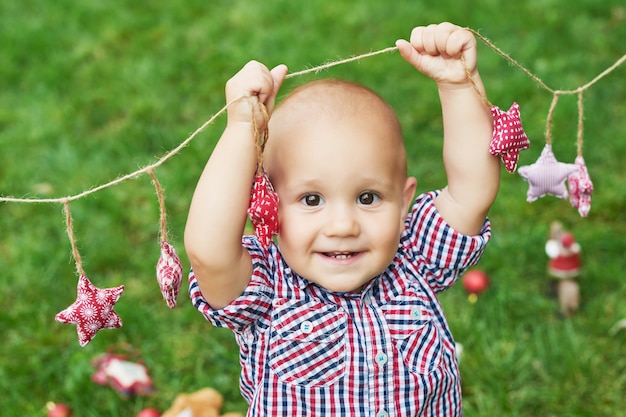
(161,198)
(261,135)
(474,85)
(70,234)
(322,67)
(579,139)
(511,60)
(316,69)
(555,99)
(130,176)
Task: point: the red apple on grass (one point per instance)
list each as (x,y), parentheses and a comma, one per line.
(475,281)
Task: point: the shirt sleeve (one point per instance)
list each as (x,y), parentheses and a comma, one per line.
(440,253)
(254,305)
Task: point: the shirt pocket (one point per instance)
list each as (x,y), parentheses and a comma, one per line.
(307,342)
(412,325)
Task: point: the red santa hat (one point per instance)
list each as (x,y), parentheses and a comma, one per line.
(567,240)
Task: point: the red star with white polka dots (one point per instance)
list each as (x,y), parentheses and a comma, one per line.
(508,137)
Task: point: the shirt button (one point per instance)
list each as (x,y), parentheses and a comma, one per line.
(306,326)
(381,358)
(416,313)
(382,413)
(368,301)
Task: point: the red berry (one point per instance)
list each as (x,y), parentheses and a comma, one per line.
(58,410)
(149,412)
(475,281)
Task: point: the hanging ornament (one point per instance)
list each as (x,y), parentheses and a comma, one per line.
(169,270)
(508,137)
(546,176)
(580,188)
(263,208)
(92,310)
(580,185)
(124,371)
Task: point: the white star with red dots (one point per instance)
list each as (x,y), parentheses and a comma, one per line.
(263,210)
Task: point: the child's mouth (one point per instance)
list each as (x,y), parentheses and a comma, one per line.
(339,255)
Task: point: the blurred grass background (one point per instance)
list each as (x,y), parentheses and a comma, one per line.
(93,90)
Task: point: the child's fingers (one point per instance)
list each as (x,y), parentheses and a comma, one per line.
(417,39)
(278,74)
(458,41)
(254,79)
(407,51)
(461,42)
(431,40)
(445,39)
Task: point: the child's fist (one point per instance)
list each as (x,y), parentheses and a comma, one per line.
(254,84)
(436,51)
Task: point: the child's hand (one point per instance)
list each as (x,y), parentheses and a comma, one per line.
(254,80)
(436,51)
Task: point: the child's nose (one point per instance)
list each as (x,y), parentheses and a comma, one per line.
(342,222)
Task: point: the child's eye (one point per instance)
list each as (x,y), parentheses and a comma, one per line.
(312,200)
(368,198)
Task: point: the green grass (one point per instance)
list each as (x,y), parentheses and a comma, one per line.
(93,90)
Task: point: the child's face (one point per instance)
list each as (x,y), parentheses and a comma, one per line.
(343,197)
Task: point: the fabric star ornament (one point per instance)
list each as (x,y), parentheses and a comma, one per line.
(169,272)
(92,310)
(508,137)
(580,187)
(546,176)
(263,209)
(128,377)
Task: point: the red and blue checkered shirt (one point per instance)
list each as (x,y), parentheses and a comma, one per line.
(383,351)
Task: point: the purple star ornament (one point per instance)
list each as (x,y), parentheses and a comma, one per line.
(508,137)
(580,187)
(92,310)
(546,176)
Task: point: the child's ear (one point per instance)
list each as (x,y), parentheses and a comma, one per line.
(408,193)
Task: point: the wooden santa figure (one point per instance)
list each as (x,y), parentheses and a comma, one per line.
(564,266)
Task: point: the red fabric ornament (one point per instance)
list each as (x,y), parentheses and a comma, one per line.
(128,377)
(580,187)
(92,310)
(263,209)
(169,272)
(508,137)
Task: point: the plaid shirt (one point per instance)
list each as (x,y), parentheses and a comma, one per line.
(383,351)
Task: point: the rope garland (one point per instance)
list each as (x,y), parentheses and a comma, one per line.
(162,212)
(70,233)
(149,169)
(317,69)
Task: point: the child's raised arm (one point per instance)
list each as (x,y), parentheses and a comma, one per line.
(218,210)
(447,54)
